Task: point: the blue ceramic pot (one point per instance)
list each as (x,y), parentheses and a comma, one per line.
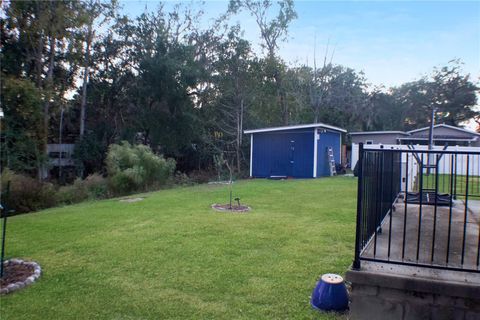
(330,294)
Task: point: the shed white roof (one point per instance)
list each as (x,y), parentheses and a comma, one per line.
(302,126)
(378,132)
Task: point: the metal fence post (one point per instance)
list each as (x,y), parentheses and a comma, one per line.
(4,213)
(356,261)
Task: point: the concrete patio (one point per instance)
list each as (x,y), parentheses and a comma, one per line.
(382,290)
(426,235)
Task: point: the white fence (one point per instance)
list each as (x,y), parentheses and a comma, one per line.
(462,164)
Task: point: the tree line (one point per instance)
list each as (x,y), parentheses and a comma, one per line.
(82,72)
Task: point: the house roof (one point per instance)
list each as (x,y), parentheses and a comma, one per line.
(408,133)
(445,126)
(302,126)
(378,132)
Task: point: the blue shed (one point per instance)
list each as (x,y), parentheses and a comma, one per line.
(294,151)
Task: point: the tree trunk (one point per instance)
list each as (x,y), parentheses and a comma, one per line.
(38,53)
(238,145)
(38,63)
(83,105)
(284,106)
(281,97)
(48,96)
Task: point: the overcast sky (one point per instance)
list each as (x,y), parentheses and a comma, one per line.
(392,42)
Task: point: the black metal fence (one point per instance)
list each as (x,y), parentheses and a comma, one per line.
(419,208)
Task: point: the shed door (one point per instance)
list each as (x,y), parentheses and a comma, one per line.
(287,153)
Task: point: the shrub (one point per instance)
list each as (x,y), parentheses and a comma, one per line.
(72,193)
(202,176)
(93,187)
(96,186)
(26,193)
(182,179)
(136,167)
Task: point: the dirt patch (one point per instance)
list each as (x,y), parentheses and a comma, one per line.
(231,209)
(15,273)
(130,200)
(18,274)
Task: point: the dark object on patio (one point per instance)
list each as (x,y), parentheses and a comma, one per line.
(340,168)
(355,170)
(428,198)
(330,294)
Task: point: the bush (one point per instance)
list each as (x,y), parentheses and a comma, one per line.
(96,186)
(202,176)
(181,179)
(72,193)
(26,193)
(136,168)
(93,187)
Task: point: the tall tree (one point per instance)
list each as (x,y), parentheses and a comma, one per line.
(42,37)
(447,90)
(273,31)
(321,79)
(234,91)
(22,129)
(96,13)
(161,107)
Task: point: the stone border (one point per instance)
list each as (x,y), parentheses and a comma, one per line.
(37,271)
(246,210)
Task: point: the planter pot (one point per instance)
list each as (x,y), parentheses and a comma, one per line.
(330,294)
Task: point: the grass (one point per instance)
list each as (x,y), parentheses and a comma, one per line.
(444,184)
(171,257)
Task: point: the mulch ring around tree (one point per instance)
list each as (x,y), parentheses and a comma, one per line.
(234,208)
(18,274)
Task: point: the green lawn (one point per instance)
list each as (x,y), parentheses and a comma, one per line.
(461,184)
(170,256)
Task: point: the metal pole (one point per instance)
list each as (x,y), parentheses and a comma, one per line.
(356,261)
(430,138)
(4,211)
(430,133)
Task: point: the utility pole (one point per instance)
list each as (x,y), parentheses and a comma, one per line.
(432,124)
(430,140)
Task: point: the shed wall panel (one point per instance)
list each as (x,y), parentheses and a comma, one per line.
(327,139)
(283,153)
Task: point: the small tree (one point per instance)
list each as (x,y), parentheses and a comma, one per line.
(220,161)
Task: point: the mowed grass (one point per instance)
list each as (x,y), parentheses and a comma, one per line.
(459,184)
(171,257)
